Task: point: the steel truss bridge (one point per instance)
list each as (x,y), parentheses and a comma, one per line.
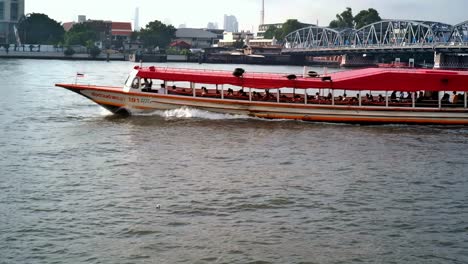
(385,36)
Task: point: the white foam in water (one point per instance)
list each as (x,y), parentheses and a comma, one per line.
(105,112)
(186,112)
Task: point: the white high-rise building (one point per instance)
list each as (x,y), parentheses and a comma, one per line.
(11,12)
(212,25)
(230,23)
(81,18)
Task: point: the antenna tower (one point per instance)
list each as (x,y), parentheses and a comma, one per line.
(136,26)
(262,13)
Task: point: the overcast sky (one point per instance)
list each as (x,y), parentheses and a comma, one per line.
(197,13)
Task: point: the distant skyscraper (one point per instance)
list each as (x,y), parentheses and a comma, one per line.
(231,24)
(136,25)
(81,18)
(11,12)
(212,25)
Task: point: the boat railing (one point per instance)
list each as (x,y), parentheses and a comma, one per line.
(306,98)
(215,73)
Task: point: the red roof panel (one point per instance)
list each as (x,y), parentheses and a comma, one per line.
(366,79)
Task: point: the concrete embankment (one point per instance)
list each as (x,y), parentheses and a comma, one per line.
(57,56)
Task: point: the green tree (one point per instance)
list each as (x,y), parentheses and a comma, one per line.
(239,44)
(94,51)
(366,17)
(38,28)
(81,34)
(157,34)
(69,51)
(273,32)
(289,26)
(343,20)
(134,36)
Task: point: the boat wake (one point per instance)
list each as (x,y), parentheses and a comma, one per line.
(188,113)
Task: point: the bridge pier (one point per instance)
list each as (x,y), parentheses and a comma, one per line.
(438,59)
(298,59)
(450,61)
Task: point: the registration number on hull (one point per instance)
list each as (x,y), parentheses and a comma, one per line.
(139,100)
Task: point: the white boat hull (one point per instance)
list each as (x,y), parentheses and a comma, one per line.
(121,102)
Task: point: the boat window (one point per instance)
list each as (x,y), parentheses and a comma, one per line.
(136,83)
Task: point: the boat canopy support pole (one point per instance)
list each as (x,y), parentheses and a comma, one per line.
(250,94)
(439,99)
(386,98)
(222,91)
(333,96)
(413,98)
(360,99)
(165,88)
(466,97)
(305,94)
(278,95)
(192,85)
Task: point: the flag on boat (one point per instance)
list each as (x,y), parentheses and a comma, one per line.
(79,74)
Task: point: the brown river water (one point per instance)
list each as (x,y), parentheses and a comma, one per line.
(78,185)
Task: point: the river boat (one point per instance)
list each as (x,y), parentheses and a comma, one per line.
(364,96)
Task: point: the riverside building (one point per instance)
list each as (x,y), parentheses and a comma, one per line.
(11,12)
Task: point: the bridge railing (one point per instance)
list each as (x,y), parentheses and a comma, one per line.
(434,45)
(382,35)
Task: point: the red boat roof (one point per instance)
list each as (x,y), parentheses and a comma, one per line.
(374,79)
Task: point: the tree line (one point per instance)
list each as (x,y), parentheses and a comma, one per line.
(39,28)
(347,20)
(343,20)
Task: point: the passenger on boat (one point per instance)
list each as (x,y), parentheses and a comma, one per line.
(317,96)
(297,98)
(329,96)
(162,90)
(230,91)
(345,97)
(204,91)
(147,85)
(445,98)
(381,98)
(410,96)
(420,97)
(174,87)
(402,96)
(241,92)
(453,97)
(267,94)
(393,96)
